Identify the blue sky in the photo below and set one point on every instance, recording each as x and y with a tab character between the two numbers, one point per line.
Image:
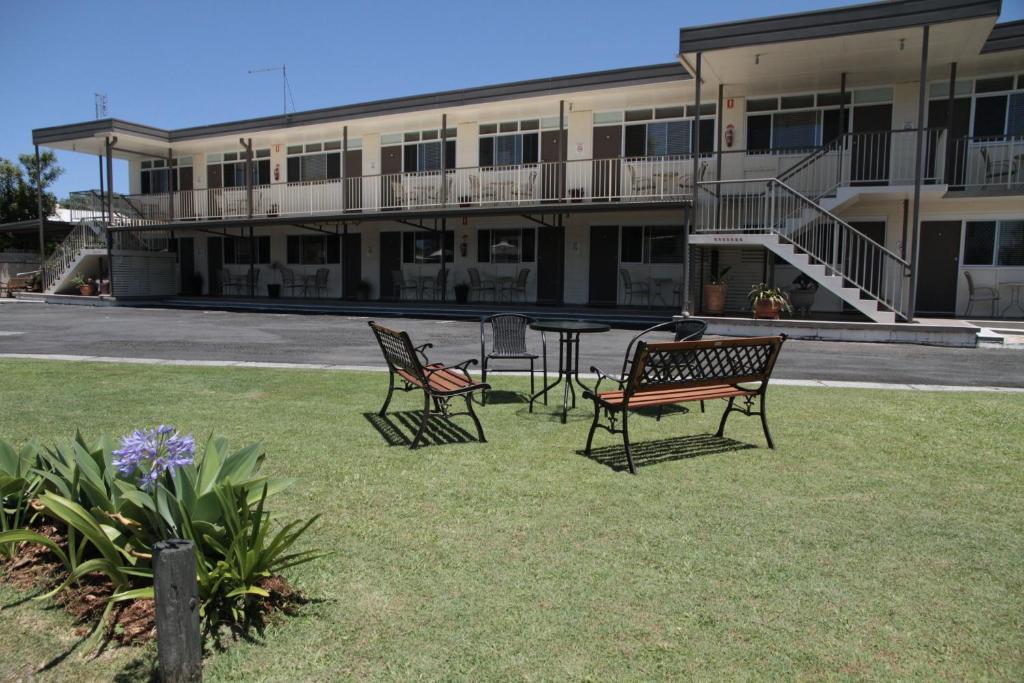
175	64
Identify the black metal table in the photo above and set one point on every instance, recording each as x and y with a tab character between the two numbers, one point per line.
569	332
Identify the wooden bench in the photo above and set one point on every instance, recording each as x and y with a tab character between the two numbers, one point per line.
669	373
22	282
439	383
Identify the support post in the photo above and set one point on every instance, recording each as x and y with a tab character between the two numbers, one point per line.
949	175
344	170
179	643
171	176
39	210
842	127
103	201
109	153
444	167
684	293
444	261
247	144
718	155
915	225
562	150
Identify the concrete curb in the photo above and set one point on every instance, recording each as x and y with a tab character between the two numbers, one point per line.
828	384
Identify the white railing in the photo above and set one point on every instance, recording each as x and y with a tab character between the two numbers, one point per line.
67	252
770	206
987	163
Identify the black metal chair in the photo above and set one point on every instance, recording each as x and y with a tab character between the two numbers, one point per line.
690	329
508	342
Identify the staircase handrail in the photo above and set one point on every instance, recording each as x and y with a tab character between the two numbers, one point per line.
64	255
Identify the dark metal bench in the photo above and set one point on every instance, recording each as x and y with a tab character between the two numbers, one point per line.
439	383
670	373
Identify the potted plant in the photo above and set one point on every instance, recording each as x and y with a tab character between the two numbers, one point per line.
461	293
714	292
84	285
802	296
363	290
768	302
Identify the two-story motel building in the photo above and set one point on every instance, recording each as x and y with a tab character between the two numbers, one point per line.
877	148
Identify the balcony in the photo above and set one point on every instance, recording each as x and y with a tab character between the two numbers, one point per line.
641	180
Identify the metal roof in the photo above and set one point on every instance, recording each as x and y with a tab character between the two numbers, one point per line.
830	23
631	76
1005	36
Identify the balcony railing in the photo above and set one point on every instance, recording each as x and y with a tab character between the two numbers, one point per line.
633	179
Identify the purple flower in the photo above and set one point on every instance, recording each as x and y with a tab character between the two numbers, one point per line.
153	452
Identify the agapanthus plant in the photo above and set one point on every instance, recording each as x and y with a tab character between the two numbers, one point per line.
150	453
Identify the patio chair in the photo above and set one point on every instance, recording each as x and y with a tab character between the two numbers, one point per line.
631	289
318	282
980	295
690	329
508	342
1000	170
481	191
229	281
439	285
440	383
398	195
641	185
290	282
402	285
524	189
517	290
478	286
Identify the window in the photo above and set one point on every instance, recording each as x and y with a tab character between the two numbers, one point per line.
233	167
510	143
799	122
421	150
314	161
999	243
425	247
672	137
506	246
651	244
237	250
314	249
155	175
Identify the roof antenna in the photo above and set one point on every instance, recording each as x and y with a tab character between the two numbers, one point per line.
100	101
286	87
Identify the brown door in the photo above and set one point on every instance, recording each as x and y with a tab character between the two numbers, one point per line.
550	260
957	149
550	154
869	151
351	264
390	263
353	189
607	150
214	181
390	167
186	200
214	264
939	267
604	261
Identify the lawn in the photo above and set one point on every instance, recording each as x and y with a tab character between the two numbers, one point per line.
882	539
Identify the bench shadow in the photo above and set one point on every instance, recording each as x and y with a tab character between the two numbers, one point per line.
398	428
646	453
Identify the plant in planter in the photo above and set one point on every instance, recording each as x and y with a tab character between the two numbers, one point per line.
802	295
768	302
363	290
714	292
85	285
461	293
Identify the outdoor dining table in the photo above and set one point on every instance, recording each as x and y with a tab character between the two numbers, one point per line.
569	332
1015	290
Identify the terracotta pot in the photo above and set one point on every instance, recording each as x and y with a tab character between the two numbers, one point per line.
714	299
86	290
768	310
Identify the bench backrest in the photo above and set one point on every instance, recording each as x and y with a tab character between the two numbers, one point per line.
398	351
672	365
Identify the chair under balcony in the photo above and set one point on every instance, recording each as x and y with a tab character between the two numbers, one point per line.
479	286
980	295
517	292
317	283
289	282
1001	171
631	289
402	286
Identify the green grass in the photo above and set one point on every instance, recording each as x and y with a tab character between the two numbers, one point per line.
882	539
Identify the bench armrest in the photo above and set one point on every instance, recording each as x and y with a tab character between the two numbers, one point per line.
602	375
421	350
458	367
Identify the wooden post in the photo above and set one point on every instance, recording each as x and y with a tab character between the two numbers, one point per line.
179	643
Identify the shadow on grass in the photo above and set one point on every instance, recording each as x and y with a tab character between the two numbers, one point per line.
502	397
399	428
646	453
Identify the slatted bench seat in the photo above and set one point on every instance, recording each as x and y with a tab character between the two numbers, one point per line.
669	373
439	383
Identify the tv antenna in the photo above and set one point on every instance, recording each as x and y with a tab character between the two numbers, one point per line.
286	88
100	101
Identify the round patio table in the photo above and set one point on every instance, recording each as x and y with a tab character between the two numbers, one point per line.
1015	290
569	332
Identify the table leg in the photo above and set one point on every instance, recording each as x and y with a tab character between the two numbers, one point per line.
568	341
561	371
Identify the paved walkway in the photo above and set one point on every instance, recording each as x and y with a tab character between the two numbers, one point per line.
288	340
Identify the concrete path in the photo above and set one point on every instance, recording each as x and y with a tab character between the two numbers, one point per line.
267	340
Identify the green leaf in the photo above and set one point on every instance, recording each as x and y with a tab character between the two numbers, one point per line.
26	536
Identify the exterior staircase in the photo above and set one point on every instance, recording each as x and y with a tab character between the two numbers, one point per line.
800	230
86	239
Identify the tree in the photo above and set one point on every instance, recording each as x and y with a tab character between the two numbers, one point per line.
18	201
